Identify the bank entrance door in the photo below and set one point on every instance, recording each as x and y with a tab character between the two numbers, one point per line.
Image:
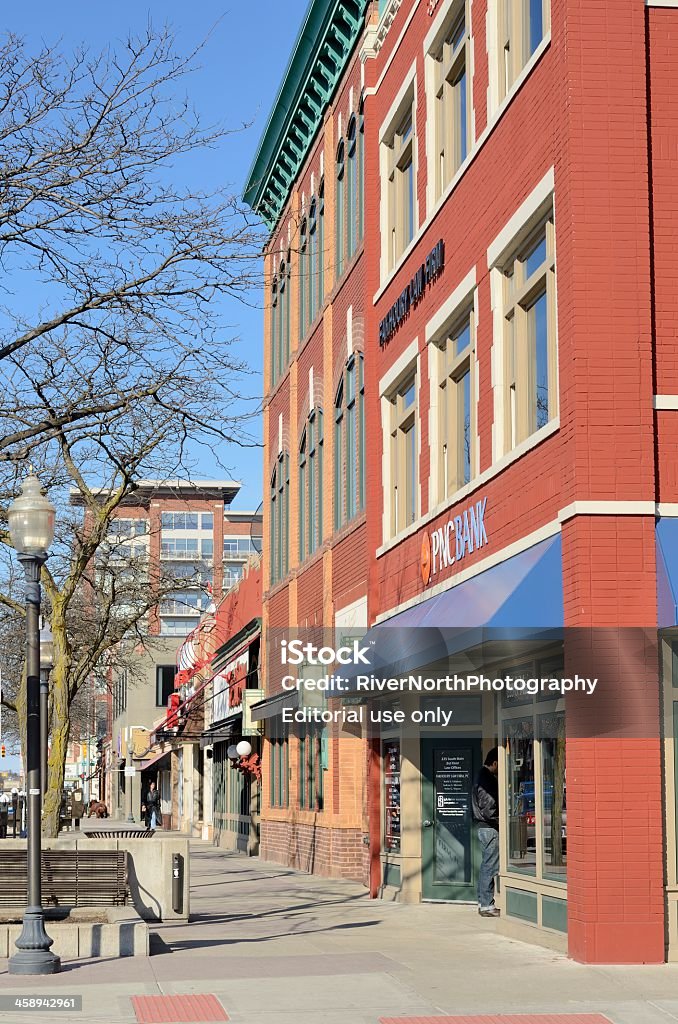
450	855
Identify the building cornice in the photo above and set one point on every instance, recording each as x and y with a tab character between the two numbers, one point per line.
324	45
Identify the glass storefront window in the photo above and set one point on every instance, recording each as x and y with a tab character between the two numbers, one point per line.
554	827
520	794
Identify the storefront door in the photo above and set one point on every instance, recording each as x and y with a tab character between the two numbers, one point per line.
450	857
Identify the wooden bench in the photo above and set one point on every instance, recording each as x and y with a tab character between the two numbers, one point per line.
70	878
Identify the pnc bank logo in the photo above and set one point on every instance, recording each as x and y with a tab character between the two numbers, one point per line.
452	542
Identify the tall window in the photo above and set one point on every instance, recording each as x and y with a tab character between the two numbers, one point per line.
339	225
313	260
452	100
164	684
311	485
401	189
283	319
361	170
321	243
522	26
530	349
349	445
351	189
279	546
303	280
275	331
456	407
279	771
404	462
311	769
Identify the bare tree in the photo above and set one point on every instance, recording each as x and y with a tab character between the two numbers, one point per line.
115	357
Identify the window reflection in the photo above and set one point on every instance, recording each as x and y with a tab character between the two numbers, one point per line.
520	796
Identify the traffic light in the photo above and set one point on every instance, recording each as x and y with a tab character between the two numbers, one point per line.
3	750
84	751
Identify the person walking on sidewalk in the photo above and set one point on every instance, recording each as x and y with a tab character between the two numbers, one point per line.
485	800
151	807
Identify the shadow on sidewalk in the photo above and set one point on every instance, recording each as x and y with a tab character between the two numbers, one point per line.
158	945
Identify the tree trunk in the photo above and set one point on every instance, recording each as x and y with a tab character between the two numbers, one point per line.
59	735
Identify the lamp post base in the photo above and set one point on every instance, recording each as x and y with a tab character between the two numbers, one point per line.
33	955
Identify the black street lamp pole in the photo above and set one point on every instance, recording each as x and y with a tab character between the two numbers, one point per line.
33	955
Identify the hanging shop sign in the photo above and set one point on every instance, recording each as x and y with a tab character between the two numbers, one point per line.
453	541
413	292
228	687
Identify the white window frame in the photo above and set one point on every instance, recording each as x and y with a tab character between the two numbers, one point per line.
391	156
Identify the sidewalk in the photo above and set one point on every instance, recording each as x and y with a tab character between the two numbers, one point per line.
280	947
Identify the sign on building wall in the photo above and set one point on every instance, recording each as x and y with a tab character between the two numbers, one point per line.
228	688
413	292
453	541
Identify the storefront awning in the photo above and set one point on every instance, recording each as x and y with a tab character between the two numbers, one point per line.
519	601
274	706
153	761
221	733
523	591
667	572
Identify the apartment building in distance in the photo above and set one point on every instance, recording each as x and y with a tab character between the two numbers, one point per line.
307	184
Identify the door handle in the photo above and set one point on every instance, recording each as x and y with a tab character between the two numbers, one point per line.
426	823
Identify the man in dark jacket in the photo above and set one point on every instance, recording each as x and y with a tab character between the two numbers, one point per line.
151	807
486	817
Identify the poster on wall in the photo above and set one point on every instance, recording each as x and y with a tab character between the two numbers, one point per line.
392	796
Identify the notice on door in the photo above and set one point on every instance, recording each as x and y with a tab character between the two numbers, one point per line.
453	780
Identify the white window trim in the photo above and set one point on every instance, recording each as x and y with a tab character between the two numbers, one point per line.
390	122
408	362
528	214
386	279
439	322
431	42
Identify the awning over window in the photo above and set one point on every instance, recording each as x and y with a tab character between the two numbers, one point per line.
519	601
273	706
667	572
154	761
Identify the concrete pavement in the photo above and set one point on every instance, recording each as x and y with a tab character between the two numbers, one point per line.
277	946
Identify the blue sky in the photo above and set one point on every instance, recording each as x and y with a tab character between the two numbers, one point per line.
241	66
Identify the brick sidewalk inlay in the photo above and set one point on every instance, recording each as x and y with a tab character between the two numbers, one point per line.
174	1009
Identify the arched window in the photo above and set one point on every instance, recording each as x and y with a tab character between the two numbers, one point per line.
339	220
280	360
303	279
274	330
311	485
361	169
303	487
312	260
351	189
288	304
279	531
321	243
349	452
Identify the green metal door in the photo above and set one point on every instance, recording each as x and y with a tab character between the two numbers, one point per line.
450	855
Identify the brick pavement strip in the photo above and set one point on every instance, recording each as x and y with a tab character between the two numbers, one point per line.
186	1009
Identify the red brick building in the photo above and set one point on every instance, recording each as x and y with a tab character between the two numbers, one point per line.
521	370
510	311
307	184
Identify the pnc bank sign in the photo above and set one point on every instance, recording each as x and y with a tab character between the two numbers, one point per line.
453	541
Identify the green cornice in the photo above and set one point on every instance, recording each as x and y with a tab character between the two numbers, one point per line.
328	35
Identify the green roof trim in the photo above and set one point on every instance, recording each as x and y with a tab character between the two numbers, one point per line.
325	42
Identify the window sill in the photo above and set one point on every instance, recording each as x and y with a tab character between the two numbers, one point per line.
483	478
461	172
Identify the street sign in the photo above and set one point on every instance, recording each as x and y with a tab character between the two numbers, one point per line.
131	771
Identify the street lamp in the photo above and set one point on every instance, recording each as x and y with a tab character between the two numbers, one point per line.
31	528
46	665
